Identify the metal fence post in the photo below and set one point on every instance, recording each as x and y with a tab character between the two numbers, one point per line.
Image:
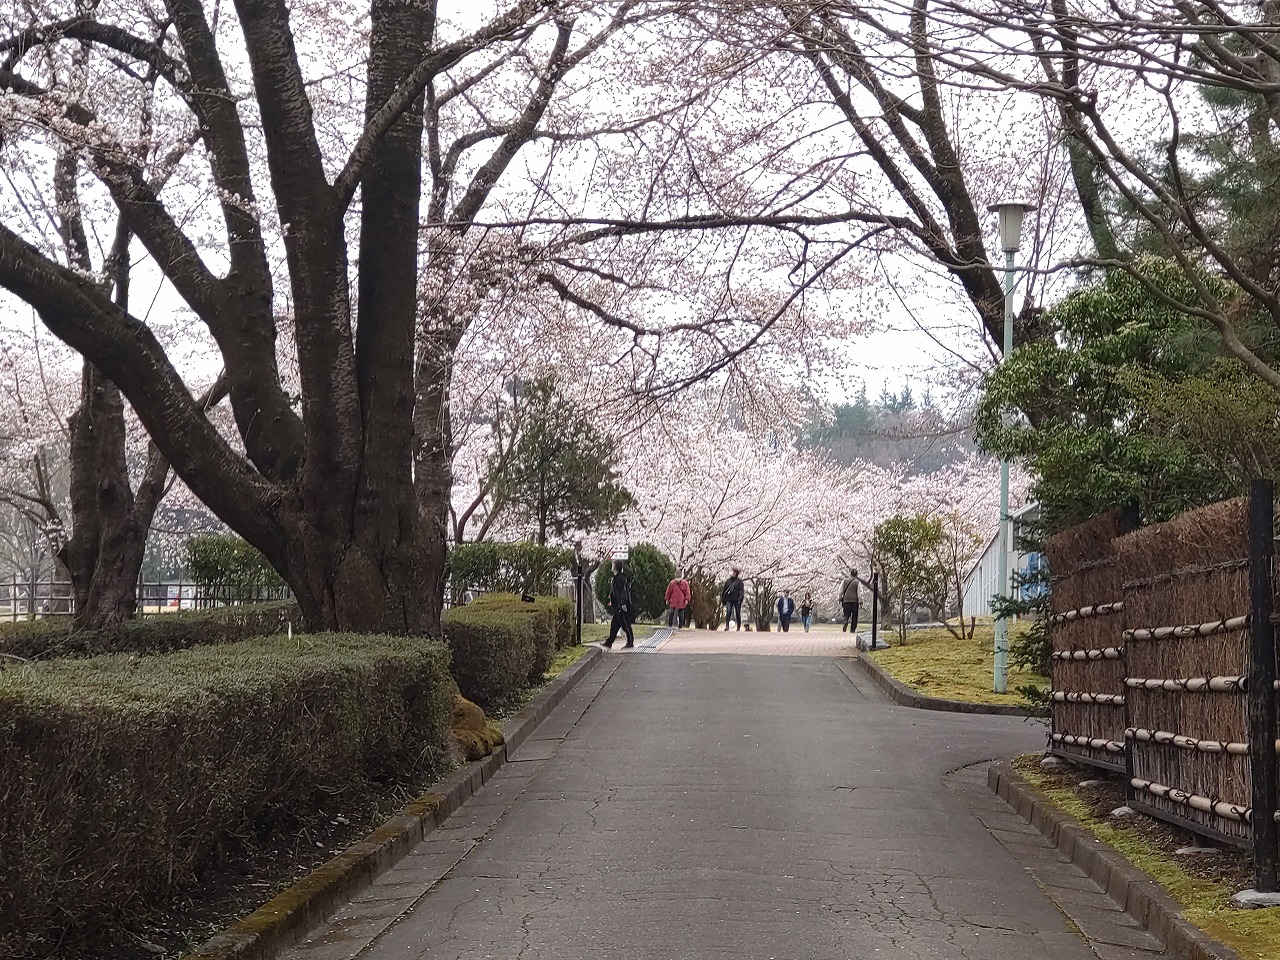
1262	694
875	605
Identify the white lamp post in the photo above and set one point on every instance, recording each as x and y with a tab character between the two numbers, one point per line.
1010	215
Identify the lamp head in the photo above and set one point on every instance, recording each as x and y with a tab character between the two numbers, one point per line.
1010	215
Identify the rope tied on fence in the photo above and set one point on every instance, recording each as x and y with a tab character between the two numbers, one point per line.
1105	699
1218	808
1093	743
1102	653
1212	628
1190	684
1187	743
1082	613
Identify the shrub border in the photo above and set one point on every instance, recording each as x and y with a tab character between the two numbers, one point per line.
1132	889
286	919
900	693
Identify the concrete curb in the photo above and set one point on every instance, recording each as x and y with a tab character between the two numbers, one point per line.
1136	893
900	693
286	919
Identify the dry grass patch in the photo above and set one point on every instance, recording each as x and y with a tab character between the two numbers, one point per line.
936	664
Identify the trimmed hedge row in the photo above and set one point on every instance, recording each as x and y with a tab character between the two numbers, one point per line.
161	633
502	645
492	653
123	775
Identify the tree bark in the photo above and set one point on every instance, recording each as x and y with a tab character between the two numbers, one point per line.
103	555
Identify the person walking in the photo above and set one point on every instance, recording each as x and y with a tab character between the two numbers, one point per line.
731	596
849	600
786	607
677	598
806	611
687	592
620	604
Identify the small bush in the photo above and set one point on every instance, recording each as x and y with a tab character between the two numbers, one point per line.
549	624
523	567
494	653
225	562
161	633
704	604
760	603
650	571
126	776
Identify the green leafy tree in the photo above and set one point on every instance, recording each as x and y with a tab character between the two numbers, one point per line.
650	570
560	474
229	568
907	551
522	567
1131	403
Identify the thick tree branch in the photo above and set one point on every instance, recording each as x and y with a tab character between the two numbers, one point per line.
502	27
82	316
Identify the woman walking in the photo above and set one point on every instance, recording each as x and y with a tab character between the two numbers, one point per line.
677	597
806	611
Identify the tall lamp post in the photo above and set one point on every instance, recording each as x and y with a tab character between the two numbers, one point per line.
1010	216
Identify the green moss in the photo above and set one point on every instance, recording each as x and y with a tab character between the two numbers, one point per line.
1254	934
936	664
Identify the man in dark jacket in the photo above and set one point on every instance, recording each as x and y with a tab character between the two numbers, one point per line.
731	596
620	604
849	600
786	607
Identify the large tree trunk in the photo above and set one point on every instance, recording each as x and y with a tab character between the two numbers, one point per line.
433	452
109	524
346	492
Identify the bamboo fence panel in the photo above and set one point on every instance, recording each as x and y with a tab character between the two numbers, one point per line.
1191	571
1085	630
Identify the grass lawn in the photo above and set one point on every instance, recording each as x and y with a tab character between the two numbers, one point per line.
565	659
1205	900
936	664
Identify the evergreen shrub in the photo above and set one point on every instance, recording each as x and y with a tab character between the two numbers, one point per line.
126	777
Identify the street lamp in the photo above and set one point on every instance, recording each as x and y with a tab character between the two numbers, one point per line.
1010	216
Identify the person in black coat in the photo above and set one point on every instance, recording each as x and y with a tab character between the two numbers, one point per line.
731	596
620	604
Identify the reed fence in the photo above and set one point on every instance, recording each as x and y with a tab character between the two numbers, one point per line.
1165	663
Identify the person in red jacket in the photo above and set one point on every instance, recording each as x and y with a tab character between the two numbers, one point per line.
677	598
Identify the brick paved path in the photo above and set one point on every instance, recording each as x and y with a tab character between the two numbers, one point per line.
821	641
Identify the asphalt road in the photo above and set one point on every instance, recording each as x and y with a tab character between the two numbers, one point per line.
721	806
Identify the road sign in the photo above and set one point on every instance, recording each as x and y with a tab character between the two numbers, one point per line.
622	552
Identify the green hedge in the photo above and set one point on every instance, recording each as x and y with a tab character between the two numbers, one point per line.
494	653
523	567
160	633
124	775
650	571
552	624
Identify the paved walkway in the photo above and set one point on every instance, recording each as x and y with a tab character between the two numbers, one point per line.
744	807
822	641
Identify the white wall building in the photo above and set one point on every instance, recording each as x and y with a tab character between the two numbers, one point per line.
982	581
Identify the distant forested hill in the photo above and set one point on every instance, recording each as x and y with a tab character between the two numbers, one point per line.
894	428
